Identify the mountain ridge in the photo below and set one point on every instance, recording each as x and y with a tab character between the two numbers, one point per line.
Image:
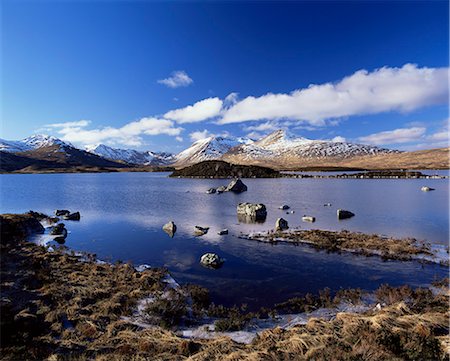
279	150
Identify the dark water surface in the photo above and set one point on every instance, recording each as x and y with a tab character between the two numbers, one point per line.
122	216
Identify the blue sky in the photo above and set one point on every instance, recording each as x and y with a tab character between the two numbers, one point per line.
116	72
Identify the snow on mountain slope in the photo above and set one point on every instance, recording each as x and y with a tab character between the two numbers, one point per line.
131	156
210	148
31	143
281	144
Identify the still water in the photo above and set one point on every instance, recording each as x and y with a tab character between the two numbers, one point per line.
122	216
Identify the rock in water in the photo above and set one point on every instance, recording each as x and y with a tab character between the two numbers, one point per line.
72	216
211	191
426	189
343	214
253	211
170	228
59	230
221	189
222	232
284	207
211	260
281	224
236	186
62	212
308	219
200	231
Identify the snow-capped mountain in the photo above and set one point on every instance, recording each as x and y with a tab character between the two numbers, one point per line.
283	147
31	143
210	148
131	156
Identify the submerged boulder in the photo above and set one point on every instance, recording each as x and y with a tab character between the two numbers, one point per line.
72	216
254	211
236	186
170	228
211	260
343	214
281	224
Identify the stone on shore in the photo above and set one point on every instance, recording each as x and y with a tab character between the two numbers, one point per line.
281	224
170	228
343	214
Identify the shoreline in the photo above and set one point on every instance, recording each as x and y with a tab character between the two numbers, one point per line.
63	310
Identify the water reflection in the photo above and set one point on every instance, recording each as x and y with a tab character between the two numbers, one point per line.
123	214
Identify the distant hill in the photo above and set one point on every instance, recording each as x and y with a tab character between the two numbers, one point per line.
39	153
221	169
132	156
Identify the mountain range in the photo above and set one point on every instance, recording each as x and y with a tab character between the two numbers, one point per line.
279	150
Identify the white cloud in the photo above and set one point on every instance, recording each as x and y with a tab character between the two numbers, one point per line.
199	135
339	139
396	136
179	139
130	134
79	123
202	110
177	79
386	89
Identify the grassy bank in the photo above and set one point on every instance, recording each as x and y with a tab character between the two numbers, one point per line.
360	243
64	306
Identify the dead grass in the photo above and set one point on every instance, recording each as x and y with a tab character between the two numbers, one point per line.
56	307
360	243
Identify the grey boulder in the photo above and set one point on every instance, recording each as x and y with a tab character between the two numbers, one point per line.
72	216
211	260
236	186
281	224
200	231
343	214
256	211
170	228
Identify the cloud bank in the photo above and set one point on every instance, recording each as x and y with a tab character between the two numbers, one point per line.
386	89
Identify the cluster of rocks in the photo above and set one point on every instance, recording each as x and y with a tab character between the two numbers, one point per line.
209	260
235	186
67	215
